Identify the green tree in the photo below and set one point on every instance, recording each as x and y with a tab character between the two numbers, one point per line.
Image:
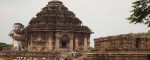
4	45
140	12
8	59
91	49
148	32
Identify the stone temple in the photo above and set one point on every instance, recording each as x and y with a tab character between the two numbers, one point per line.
53	33
57	28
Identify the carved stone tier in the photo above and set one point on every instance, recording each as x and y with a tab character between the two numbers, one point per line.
55	28
56	17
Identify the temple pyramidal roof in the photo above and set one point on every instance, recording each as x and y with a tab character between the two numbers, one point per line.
56	17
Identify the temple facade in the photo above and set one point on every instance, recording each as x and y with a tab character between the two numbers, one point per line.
56	28
123	47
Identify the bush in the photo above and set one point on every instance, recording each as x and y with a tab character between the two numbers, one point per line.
8	59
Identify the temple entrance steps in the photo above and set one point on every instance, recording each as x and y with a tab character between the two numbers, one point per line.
64	53
64	50
84	55
68	54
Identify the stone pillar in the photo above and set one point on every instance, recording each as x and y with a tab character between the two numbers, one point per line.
76	43
57	42
85	44
88	41
71	42
30	45
50	42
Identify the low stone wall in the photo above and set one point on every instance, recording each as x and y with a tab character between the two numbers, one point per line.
29	55
118	56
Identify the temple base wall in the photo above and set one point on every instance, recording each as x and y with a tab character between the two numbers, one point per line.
118	57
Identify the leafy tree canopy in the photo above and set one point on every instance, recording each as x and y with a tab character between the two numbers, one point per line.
91	49
8	59
4	45
148	32
140	12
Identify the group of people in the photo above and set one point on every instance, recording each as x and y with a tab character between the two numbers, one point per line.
24	58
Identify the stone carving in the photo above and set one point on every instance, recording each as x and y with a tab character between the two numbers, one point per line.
18	36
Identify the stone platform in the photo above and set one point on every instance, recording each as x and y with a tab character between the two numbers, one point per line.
29	55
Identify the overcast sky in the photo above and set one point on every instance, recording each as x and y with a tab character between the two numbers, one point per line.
104	17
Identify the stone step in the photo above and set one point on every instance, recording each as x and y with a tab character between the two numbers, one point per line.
81	57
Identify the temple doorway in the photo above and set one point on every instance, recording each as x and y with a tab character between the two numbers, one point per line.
64	41
64	44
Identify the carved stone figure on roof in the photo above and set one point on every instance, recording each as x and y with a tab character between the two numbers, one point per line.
18	36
